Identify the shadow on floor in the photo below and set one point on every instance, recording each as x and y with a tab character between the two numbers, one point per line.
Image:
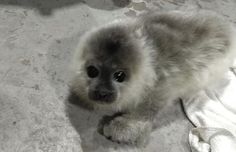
46	7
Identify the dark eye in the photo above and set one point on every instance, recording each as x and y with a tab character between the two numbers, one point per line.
92	71
119	76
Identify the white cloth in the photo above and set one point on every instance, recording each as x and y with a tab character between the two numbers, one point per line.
213	112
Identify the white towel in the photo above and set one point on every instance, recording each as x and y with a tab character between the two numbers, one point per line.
213	112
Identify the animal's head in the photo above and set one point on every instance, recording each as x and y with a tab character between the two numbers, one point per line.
113	66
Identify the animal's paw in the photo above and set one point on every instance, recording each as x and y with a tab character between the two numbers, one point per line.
122	129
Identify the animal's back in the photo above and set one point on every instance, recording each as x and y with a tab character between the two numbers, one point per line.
194	49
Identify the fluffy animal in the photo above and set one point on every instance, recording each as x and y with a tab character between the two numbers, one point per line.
136	66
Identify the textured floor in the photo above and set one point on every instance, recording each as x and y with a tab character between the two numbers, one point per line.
37	40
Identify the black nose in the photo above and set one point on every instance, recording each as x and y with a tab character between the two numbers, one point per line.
101	95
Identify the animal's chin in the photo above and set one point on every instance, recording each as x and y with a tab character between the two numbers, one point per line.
103	102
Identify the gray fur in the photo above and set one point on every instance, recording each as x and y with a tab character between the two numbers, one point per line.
166	55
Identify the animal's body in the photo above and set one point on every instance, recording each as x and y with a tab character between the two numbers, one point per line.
136	66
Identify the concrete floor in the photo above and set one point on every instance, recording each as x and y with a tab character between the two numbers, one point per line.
37	39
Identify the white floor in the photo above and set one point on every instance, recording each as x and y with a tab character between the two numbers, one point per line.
37	40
